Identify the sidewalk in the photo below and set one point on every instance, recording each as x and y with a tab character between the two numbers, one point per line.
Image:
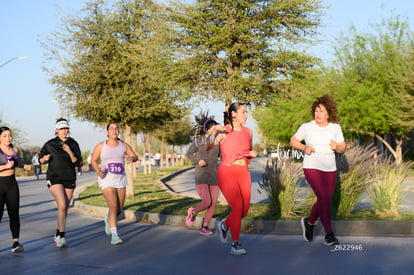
183	184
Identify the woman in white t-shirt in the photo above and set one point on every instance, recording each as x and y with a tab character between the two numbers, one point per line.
323	137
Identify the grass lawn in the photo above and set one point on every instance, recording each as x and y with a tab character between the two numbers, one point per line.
151	196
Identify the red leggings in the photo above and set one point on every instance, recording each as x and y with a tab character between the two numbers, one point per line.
323	185
235	184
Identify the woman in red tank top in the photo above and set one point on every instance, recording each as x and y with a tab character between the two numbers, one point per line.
233	175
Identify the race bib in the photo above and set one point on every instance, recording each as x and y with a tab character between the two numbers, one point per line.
11	157
115	168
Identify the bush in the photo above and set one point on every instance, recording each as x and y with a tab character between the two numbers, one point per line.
386	192
281	183
353	177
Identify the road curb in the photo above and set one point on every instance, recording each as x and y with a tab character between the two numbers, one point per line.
283	227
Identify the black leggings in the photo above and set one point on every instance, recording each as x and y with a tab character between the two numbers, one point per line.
9	196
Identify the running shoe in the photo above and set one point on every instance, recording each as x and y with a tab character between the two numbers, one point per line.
61	242
115	239
107	226
307	229
17	247
205	231
221	231
189	220
330	239
236	249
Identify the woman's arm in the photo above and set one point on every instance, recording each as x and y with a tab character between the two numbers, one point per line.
297	144
192	152
94	160
338	147
131	155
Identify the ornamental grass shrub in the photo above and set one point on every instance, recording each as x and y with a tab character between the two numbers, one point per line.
354	171
280	181
386	192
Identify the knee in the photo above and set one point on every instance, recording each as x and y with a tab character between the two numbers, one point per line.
62	207
207	201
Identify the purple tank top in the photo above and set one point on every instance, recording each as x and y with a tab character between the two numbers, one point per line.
112	155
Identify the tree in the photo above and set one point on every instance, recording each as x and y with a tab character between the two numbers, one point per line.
176	133
375	77
278	120
239	50
18	134
116	66
372	82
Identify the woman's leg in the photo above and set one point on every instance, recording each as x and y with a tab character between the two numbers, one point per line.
111	198
213	194
235	183
62	202
323	185
12	201
121	193
204	193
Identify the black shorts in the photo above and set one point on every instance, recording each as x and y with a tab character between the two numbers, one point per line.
67	184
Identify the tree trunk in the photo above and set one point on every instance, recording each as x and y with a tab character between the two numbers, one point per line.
167	156
134	148
149	152
129	166
397	152
143	142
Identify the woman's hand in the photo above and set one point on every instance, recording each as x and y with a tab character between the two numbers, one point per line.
253	153
9	165
46	158
202	163
309	150
220	138
101	174
67	149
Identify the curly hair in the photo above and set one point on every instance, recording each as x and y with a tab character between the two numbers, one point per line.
329	103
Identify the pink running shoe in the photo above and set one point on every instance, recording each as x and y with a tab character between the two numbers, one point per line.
189	220
205	231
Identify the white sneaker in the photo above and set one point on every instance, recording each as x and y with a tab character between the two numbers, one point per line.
60	242
221	231
17	247
236	249
115	239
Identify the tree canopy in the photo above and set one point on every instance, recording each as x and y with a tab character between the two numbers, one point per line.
117	65
371	80
239	50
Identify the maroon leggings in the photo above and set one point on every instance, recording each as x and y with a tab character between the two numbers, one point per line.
235	184
323	185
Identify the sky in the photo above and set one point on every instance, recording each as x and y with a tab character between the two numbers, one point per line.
26	97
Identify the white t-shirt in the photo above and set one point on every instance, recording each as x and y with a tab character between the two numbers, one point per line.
319	138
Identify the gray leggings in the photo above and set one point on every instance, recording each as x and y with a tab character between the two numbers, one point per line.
9	196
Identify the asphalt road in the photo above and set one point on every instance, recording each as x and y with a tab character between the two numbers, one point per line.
163	249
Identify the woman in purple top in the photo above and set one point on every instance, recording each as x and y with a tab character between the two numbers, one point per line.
205	171
9	190
111	176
